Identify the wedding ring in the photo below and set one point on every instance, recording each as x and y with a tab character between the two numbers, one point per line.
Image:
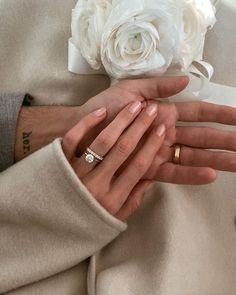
177	152
91	156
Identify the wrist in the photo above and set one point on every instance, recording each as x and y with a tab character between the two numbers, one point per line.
38	126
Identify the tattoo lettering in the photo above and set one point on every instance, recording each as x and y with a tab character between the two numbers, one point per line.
26	142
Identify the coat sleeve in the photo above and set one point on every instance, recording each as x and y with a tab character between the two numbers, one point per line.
10	105
49	222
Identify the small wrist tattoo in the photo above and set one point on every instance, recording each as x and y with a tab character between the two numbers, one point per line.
26	137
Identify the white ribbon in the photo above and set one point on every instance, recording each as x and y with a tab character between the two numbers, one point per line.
199	87
77	64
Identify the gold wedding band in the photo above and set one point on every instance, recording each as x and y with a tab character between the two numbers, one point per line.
177	152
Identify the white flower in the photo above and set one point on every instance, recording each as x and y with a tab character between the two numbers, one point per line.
142	37
198	17
88	20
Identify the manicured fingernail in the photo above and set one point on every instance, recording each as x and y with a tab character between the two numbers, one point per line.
135	107
100	112
151	109
161	130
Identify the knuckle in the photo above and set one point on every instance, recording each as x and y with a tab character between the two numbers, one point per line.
131	96
110	207
124	146
200	111
204	141
128	89
141	165
232	164
69	139
105	140
188	156
126	85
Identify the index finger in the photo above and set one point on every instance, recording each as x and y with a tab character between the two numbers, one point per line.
205	112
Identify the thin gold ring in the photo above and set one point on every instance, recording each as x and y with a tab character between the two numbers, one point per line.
177	152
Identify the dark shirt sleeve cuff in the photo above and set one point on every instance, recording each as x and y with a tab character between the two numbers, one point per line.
10	105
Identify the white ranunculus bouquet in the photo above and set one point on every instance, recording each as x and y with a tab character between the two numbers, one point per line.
140	38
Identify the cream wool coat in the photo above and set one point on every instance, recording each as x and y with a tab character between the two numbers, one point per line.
54	237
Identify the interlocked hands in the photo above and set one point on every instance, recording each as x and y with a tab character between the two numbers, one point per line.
137	142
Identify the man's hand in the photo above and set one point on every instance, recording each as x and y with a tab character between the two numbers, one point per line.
126	91
197	163
40	125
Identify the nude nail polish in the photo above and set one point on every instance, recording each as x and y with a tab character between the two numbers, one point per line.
100	112
135	107
151	110
161	130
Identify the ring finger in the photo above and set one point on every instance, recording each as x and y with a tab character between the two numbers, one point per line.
195	157
108	137
218	160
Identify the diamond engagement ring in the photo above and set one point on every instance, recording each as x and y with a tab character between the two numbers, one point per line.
91	156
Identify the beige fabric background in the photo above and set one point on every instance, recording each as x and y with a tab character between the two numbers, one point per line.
183	240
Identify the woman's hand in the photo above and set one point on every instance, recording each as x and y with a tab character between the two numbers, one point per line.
119	195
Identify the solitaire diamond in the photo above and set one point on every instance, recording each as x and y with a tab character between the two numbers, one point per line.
89	158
